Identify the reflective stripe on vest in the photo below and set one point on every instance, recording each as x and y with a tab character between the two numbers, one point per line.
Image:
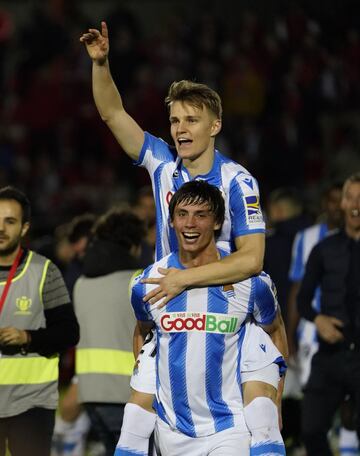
104	361
29	371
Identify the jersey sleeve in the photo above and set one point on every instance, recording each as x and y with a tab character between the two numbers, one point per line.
297	269
265	300
246	214
154	153
137	292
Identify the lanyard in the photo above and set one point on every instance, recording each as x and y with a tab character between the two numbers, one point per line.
9	278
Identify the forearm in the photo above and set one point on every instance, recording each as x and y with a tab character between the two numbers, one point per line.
61	332
233	268
106	95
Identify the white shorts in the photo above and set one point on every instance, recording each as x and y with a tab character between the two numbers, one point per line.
258	352
143	378
230	442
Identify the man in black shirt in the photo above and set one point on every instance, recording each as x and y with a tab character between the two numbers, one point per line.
334	264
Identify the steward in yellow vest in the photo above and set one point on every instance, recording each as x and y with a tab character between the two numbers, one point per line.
36	323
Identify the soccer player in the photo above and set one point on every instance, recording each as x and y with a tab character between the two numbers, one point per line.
195	118
200	338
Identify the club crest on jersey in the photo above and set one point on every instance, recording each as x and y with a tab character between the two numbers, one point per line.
252	209
196	321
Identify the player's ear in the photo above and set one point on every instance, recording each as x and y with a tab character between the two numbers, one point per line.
216	127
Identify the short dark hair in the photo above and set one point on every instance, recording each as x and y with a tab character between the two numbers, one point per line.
196	94
200	192
13	193
80	226
121	227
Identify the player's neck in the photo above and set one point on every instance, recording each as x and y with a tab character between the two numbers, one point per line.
201	165
196	259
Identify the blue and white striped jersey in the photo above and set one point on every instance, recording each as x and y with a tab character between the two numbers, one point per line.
304	242
243	212
200	336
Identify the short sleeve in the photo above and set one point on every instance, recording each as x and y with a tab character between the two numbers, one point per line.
245	209
265	300
54	292
137	292
154	153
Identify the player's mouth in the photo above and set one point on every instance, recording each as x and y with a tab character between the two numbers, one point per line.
190	237
183	142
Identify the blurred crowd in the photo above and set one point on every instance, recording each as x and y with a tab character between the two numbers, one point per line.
289	83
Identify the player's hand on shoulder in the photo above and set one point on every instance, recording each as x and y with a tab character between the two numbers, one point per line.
169	286
97	43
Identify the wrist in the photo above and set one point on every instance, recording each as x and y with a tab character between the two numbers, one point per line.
24	350
101	62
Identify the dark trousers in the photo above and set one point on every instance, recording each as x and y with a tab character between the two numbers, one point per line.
333	376
106	421
28	434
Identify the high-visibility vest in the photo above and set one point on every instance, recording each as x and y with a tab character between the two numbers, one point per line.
26	381
104	356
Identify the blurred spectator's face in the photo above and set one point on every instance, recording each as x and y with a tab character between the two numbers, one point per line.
193	130
333	207
350	204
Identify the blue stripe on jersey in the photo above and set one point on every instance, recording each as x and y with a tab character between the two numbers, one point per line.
159	218
215	349
251	297
141	309
297	264
348	450
125	451
323	231
268	448
240	342
177	358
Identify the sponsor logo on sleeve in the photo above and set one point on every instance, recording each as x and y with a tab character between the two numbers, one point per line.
252	209
196	321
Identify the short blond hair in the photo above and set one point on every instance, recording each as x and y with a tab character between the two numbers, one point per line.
196	94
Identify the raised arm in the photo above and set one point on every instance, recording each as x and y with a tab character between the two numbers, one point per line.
107	98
